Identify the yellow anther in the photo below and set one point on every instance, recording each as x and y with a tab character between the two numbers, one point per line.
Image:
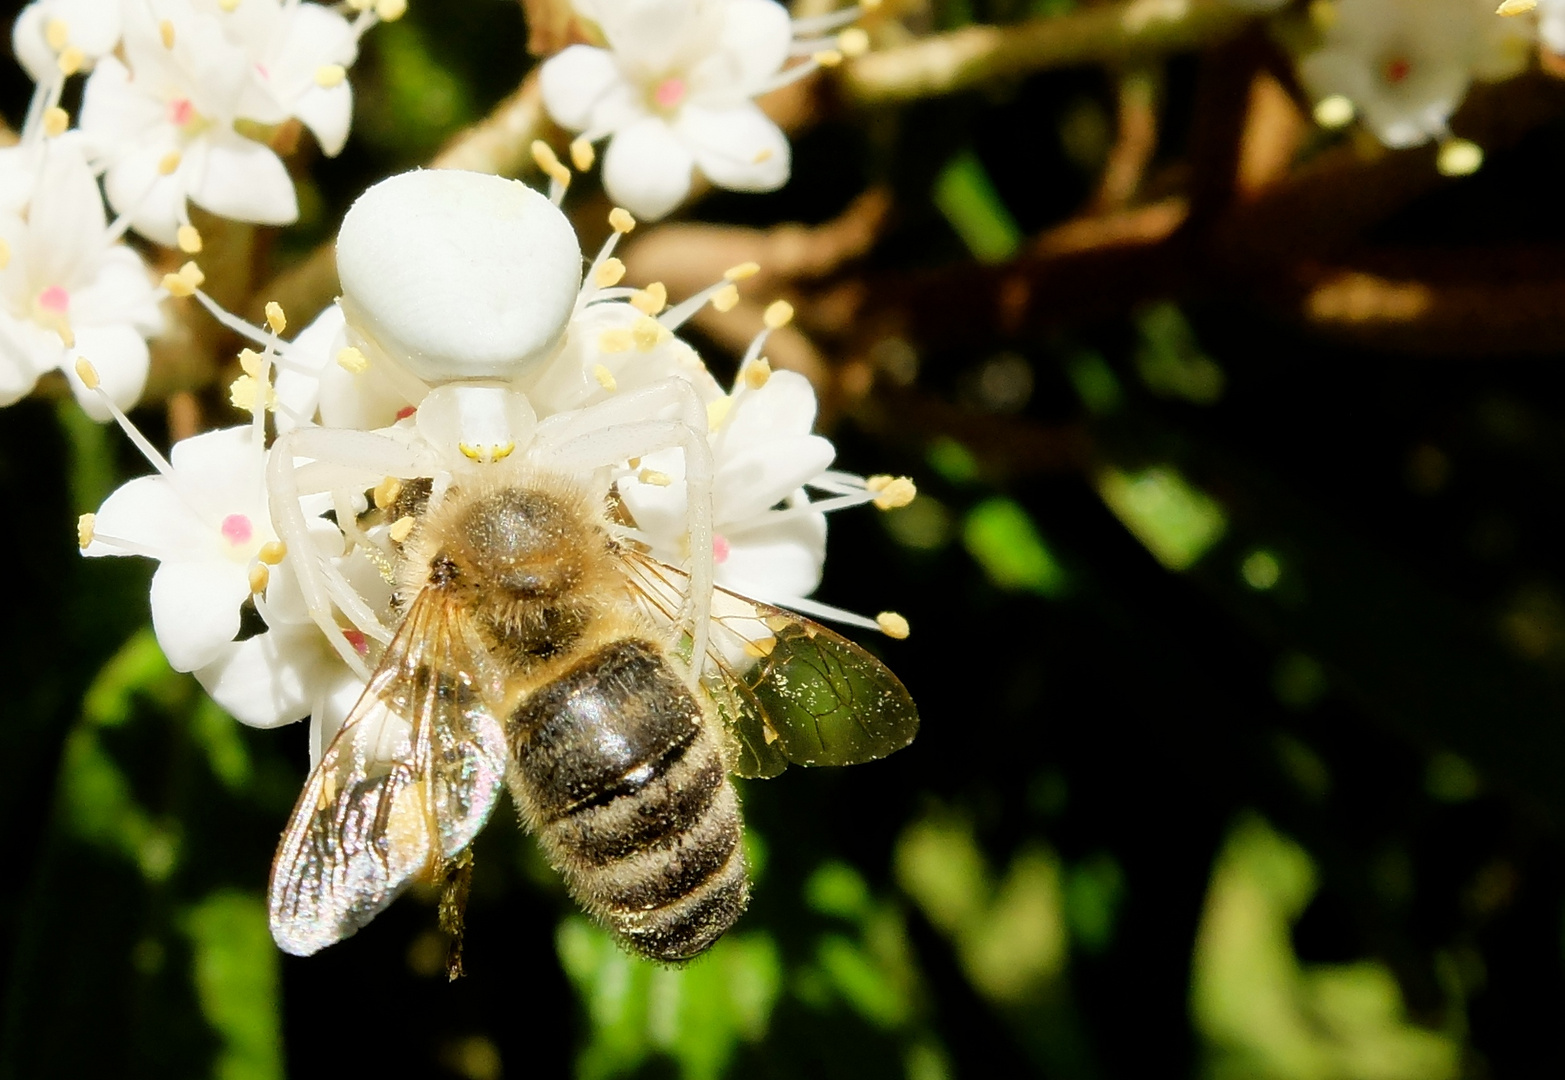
726	298
189	239
166	33
869	5
228	5
853	42
1516	7
582	155
549	162
892	491
634	463
757	373
717	412
352	361
651	300
272	552
5	254
386	492
778	315
86	373
84	528
615	341
328	76
1459	157
56	32
742	271
251	363
170	163
605	378
760	650
71	60
391	10
648	333
620	220
242	393
400	528
185	282
655	478
55	121
827	58
892	625
259	576
275	317
361	5
1323	14
608	273
1334	112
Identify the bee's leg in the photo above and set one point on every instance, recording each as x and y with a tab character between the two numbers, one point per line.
339	459
663	415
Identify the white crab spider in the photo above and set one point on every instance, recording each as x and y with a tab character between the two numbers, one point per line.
466	282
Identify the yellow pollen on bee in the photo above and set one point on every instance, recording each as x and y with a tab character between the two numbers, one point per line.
717	412
251	363
86	373
620	220
582	155
1516	7
549	162
329	76
84	529
352	361
892	625
166	33
189	239
757	373
71	60
827	58
608	275
615	341
778	315
648	333
391	10
272	552
726	298
760	649
275	317
170	163
742	271
853	42
243	390
55	121
655	478
651	300
893	491
400	528
605	378
57	33
634	463
386	491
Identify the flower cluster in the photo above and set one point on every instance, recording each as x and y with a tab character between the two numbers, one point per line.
489	351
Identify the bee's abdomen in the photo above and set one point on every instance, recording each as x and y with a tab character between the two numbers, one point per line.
617	768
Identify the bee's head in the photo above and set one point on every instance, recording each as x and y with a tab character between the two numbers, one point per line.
529	545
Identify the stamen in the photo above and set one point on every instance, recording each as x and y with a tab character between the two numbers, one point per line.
559	175
1334	112
189	239
827	58
166	33
244	392
259	577
272	552
608	273
615	341
185	282
55	121
717	411
817	610
84	527
582	155
726	298
1459	157
403	526
742	271
651	300
757	373
228	5
5	254
853	42
170	163
390	10
648	334
893	492
892	625
275	319
89	377
71	60
1516	7
352	361
250	363
654	478
605	378
620	220
386	491
778	315
329	76
57	33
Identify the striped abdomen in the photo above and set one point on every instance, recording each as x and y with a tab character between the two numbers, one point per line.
619	773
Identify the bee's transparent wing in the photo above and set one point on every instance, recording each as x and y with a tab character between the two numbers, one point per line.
788	689
405	786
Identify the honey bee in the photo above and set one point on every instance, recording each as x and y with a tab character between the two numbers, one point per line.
539	652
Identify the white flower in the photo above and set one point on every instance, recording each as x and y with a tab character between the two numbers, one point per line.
673	90
67	291
165	125
316	380
47	28
1551	24
206	522
765	455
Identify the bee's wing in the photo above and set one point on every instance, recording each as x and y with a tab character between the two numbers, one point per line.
405	785
788	689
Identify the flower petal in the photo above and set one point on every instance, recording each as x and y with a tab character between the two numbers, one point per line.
328	113
195	609
119	353
148	511
646	169
776	563
737	147
268	680
574	81
756	38
245	181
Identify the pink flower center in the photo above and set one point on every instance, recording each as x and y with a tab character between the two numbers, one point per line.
1397	69
406	411
357	640
261	70
720	549
181	112
669	93
237	529
54	299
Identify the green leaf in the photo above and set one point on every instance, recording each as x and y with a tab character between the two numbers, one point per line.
237	982
1176	522
966	196
1002	538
